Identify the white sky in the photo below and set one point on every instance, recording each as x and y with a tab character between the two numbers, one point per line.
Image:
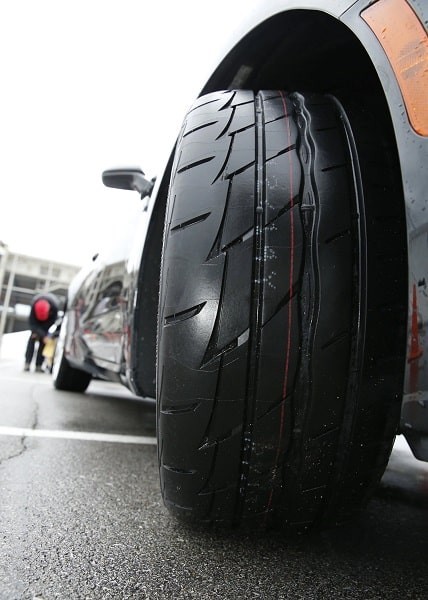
87	85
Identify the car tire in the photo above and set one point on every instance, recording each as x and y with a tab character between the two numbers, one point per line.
65	377
282	317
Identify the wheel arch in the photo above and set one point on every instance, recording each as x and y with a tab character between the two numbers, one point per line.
303	49
142	368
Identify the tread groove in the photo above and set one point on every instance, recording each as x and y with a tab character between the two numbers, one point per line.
337	338
240	170
211	347
272	408
207	443
333	168
190	222
183	315
176	410
216	247
283	303
228	124
226	160
280	118
293	203
239	240
229	101
241	339
199	128
318	437
177	470
282	152
338	236
197	163
202	105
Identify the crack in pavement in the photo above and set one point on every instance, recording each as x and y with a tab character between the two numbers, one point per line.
24	447
34	425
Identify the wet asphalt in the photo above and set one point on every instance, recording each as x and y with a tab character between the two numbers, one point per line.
84	518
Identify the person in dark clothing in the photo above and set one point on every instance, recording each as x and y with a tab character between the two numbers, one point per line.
43	314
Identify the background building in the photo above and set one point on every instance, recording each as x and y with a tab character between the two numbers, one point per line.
21	277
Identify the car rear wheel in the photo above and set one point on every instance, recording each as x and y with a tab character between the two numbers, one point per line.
65	377
282	313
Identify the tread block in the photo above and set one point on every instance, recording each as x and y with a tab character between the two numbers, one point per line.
181	384
241	154
239	217
284	177
193	200
234	311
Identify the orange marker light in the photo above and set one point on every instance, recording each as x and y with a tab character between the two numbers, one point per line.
405	41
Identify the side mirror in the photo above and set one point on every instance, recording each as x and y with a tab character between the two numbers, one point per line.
129	179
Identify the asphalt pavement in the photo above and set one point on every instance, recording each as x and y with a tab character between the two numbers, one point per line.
81	516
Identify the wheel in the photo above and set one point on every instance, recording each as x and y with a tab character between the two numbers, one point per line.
282	316
66	377
69	379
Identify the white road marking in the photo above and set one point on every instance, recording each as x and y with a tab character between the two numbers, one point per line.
42	378
78	435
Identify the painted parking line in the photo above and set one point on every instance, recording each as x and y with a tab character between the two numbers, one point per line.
78	435
42	378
